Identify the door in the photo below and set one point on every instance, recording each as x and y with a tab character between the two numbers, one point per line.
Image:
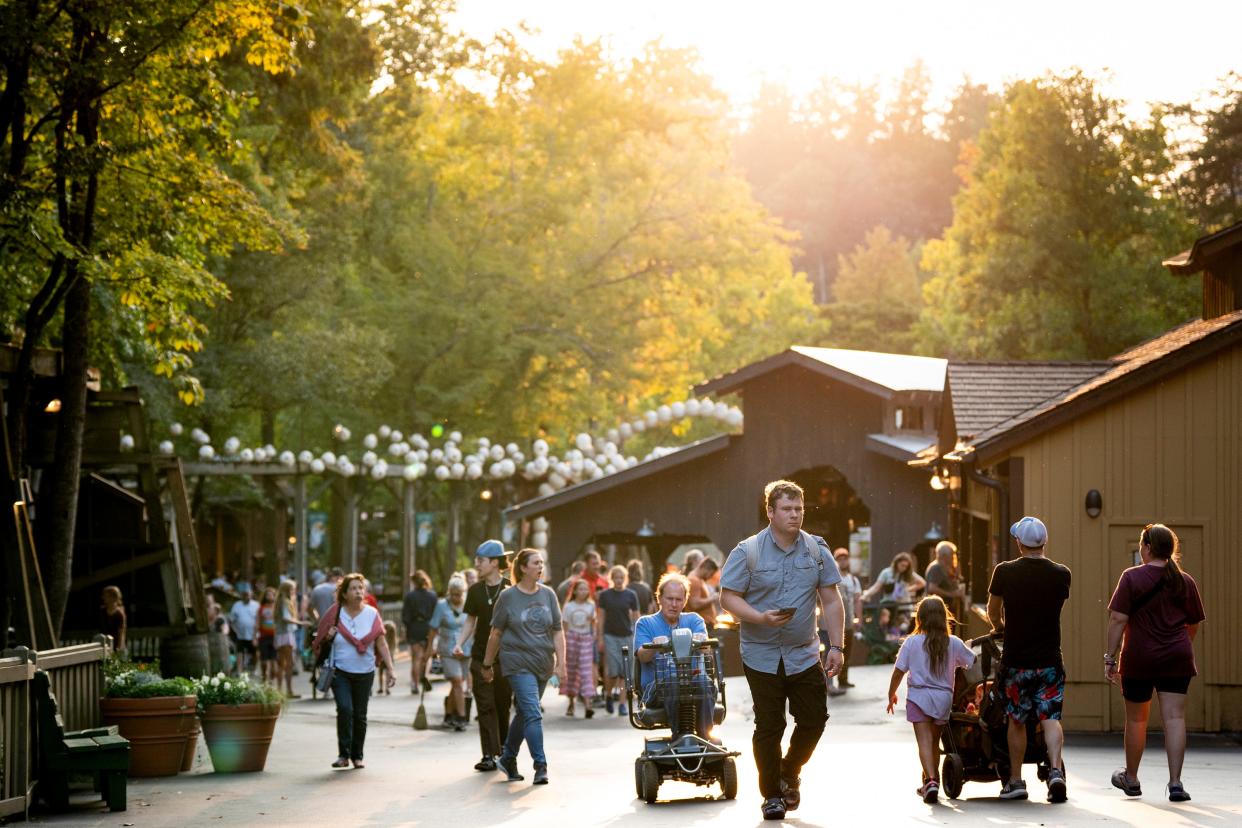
1123	553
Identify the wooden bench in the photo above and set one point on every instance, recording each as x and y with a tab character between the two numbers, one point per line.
99	752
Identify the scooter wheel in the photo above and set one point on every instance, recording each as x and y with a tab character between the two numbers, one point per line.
650	781
728	778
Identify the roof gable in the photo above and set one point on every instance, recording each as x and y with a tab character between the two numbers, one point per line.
877	373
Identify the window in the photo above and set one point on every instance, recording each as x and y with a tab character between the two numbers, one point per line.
909	418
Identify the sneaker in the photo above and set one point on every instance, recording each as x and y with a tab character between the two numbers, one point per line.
426	685
930	791
773	808
1177	793
790	793
508	766
487	763
1121	781
1056	785
589	713
1014	789
541	776
622	710
836	691
608	705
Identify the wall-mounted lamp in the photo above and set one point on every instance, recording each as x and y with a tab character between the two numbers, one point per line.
934	533
938	483
1094	503
647	530
52	407
486	494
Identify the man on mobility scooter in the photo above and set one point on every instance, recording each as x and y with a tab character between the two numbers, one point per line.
674	682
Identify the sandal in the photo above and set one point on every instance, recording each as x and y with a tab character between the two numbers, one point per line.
341	763
930	791
1177	793
1122	782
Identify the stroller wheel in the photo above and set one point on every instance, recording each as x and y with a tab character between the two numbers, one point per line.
952	775
638	777
650	781
728	778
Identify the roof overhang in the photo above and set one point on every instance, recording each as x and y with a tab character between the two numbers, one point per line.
903	448
1204	250
729	383
587	488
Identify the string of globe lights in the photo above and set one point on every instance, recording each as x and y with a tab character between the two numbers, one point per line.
389	453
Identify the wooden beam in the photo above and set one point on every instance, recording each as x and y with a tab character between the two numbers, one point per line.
109	573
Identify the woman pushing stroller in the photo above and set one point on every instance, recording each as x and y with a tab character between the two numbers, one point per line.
930	657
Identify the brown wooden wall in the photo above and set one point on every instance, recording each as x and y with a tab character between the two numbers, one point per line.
1170	453
795	420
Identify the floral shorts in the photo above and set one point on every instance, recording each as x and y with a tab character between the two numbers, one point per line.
1037	692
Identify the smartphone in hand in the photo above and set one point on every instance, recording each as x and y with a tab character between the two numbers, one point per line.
787	610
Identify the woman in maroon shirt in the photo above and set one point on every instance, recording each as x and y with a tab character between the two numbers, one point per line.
1158	608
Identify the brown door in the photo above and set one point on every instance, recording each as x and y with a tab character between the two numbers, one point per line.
1123	553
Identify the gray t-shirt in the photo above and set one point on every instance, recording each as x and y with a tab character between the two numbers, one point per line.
323	597
527	624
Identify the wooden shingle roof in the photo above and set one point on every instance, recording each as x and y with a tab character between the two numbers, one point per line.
987	393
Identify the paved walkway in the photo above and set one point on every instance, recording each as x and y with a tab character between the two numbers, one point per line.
864	772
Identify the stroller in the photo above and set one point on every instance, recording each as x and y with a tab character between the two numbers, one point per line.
691	669
974	743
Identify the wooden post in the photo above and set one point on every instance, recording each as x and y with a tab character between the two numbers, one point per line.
409	533
299	530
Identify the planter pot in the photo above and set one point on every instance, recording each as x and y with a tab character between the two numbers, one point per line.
238	736
157	730
191	745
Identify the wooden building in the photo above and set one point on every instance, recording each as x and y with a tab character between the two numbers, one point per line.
843	424
1152	435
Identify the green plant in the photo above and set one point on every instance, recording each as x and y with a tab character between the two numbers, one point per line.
234	690
145	684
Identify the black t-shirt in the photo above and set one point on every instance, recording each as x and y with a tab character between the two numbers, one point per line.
1034	590
480	600
616	604
644	596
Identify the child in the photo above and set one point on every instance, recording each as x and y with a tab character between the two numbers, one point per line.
930	656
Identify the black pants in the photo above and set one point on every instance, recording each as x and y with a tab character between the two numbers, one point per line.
807	694
493	701
352	692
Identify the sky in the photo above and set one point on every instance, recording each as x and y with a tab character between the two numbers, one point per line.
1148	51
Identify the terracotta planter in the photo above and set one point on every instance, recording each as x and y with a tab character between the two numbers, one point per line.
238	736
157	730
191	745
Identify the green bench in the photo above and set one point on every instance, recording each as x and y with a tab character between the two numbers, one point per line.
99	752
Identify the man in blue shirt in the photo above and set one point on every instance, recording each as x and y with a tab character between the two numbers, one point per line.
770	583
658	627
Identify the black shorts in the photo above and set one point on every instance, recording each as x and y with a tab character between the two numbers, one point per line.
1139	690
267	648
244	646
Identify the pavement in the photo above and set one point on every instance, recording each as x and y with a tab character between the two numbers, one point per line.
864	772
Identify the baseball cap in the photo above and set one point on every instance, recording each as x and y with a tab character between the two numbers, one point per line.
1030	532
490	549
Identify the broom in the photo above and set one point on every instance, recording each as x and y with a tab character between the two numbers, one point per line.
420	718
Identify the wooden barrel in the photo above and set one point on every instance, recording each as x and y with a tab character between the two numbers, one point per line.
184	655
218	652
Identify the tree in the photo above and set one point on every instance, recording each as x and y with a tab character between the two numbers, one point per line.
110	121
878	295
1212	182
1057	235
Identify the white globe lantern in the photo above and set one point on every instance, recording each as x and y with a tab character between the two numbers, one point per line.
380	470
305	456
247	455
396	449
411	457
395	436
678	409
231	445
317	466
166	447
175	429
583	442
546	489
455	436
625	431
287	459
410	472
452	455
692	408
496	452
639	426
369	458
664	413
442	473
384	431
329	458
720	410
556	479
539	539
540	447
127	442
539	524
507	467
735	417
370	441
206	452
437	455
613	435
458	470
474	471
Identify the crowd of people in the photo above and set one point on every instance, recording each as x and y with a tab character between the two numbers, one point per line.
500	635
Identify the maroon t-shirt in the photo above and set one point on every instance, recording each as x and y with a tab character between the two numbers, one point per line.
1156	641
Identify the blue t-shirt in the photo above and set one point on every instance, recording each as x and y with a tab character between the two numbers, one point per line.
650	627
617	604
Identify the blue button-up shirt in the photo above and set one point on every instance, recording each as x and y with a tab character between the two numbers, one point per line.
781	578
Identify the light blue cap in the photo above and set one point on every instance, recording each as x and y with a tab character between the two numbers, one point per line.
1030	532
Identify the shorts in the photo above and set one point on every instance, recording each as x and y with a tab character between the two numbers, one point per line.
455	668
1035	692
267	648
244	646
614	661
1139	690
914	713
287	639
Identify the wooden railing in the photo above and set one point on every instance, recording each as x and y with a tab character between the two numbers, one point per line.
76	674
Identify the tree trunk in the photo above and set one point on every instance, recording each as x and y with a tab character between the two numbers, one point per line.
67	463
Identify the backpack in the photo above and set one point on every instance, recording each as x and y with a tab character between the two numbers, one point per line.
751	547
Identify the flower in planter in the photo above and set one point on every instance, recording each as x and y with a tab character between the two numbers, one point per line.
222	689
124	679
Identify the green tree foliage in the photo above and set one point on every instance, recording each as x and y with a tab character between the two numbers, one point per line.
568	246
1058	233
855	156
877	295
1212	182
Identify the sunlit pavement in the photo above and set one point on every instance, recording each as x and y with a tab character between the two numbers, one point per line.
864	773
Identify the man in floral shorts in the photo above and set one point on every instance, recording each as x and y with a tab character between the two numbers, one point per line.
1024	601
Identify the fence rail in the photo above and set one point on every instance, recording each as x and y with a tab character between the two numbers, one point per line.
76	675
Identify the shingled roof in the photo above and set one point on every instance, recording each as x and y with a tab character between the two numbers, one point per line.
987	393
1128	371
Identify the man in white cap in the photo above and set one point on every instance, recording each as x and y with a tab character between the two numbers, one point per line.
1024	601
